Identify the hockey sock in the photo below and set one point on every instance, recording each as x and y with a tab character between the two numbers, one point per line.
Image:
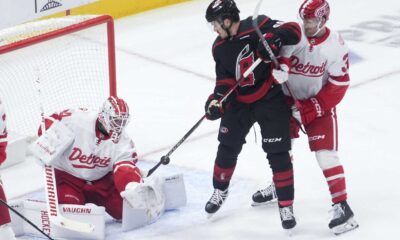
337	183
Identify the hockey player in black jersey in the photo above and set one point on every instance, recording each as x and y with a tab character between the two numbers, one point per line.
257	99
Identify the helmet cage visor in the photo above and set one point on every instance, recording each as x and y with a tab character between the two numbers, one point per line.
113	118
118	123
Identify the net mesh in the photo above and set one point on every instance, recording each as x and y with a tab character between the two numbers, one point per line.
71	71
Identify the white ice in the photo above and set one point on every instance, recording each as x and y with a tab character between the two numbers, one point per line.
165	71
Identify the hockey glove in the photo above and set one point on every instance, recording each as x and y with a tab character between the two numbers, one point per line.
274	42
52	143
214	110
309	111
281	75
148	196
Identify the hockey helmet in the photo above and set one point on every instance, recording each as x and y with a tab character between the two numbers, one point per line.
114	116
314	9
219	10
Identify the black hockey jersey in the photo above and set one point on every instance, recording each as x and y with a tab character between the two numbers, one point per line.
235	55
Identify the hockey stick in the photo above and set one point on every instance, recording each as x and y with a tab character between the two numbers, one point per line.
25	219
269	50
51	188
273	58
165	159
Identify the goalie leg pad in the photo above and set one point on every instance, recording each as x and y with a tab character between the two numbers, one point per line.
6	232
174	191
36	212
16	221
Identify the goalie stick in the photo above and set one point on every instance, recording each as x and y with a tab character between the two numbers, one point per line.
51	188
165	159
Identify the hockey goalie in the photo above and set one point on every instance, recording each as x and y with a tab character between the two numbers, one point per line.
94	162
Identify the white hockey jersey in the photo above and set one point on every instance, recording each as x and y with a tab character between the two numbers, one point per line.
318	67
91	155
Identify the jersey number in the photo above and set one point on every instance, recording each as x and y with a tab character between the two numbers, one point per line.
346	62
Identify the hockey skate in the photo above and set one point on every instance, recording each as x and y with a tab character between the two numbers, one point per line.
216	201
264	196
343	218
287	217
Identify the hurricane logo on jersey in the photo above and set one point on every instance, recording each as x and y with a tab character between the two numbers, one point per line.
244	60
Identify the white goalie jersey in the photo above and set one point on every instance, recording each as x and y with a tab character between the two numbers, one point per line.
90	155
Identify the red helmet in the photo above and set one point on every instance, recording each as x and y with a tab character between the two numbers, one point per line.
314	9
114	116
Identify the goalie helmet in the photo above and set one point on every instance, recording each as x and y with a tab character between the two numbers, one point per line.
218	10
114	116
314	9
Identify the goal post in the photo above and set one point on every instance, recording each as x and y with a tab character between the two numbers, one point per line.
72	56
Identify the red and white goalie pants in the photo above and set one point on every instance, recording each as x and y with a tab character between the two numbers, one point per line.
102	192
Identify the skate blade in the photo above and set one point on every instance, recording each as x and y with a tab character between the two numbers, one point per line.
256	204
210	215
351	224
289	232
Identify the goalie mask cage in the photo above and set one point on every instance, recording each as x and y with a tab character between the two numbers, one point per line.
72	57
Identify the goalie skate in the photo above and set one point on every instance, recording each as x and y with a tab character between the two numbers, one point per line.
264	196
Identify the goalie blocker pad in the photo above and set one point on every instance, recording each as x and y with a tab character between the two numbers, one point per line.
175	197
36	212
52	143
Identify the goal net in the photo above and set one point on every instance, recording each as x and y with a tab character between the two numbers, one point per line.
70	59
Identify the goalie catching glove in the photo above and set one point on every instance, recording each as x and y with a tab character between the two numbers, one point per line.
147	195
